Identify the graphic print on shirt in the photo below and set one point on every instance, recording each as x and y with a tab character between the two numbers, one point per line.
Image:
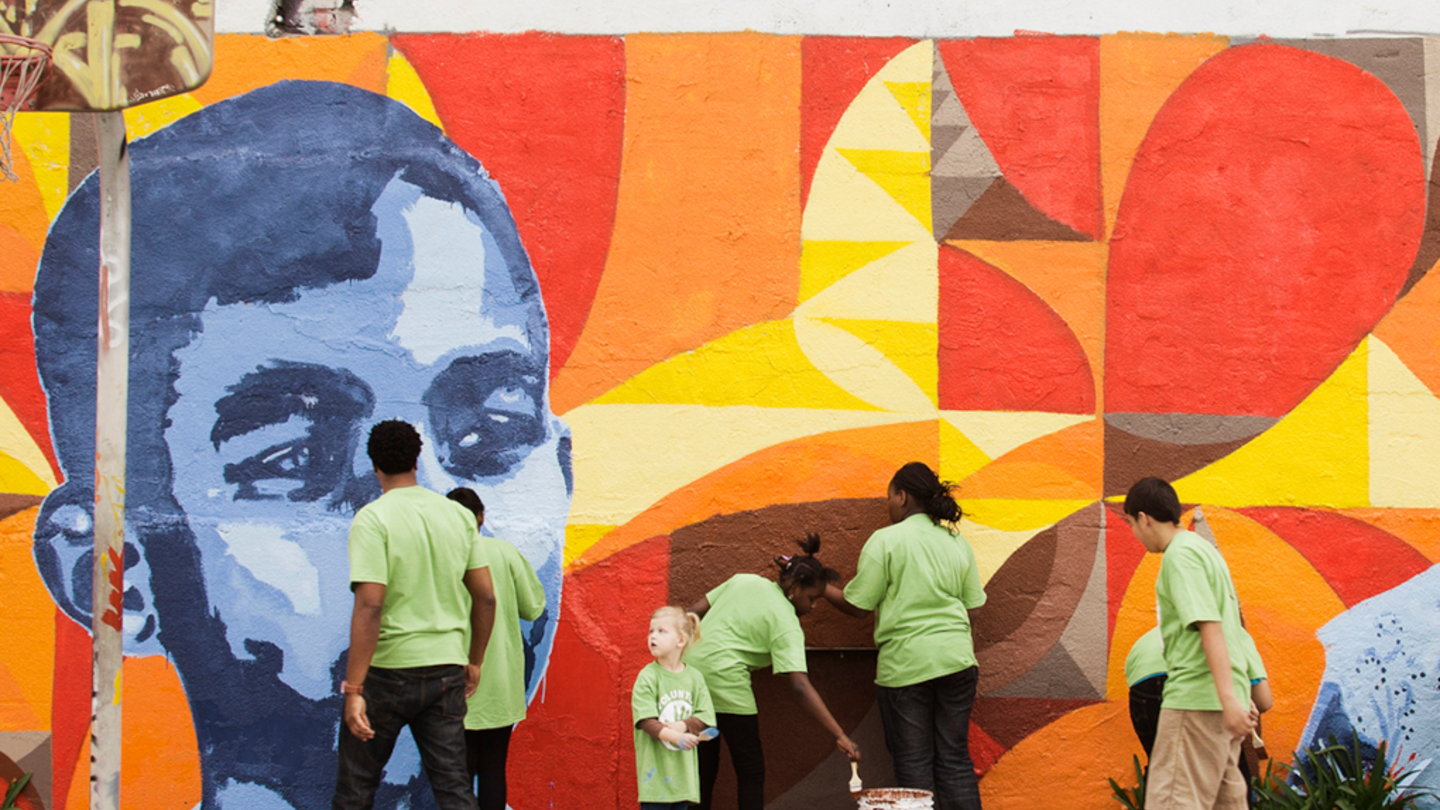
675	706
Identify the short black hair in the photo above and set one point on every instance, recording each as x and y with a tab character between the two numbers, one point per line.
394	446
936	497
1154	497
467	498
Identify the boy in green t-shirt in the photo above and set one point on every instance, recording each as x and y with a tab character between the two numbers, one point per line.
1206	710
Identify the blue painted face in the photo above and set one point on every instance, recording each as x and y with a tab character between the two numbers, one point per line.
275	400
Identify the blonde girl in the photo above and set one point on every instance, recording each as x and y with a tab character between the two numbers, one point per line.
671	706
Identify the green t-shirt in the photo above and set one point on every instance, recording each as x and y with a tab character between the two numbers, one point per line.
418	545
921	581
499	701
1146	659
1194	586
663	772
750	626
1254	667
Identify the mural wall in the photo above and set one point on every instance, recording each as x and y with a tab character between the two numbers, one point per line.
705	295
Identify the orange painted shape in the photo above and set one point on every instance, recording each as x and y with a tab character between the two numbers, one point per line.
1065	465
1069	276
846	464
18	259
28	668
23	225
160	760
707	225
245	62
1412	331
78	796
1138	72
1134	619
1420	528
1071	758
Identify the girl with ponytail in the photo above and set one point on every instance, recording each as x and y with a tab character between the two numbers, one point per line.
918	576
752	623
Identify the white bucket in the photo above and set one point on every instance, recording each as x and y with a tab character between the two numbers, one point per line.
895	799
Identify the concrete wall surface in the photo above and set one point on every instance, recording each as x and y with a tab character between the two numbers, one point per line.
670	301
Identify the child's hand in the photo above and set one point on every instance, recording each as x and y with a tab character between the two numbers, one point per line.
688	741
676	725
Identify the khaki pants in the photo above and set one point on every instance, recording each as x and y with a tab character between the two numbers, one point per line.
1195	764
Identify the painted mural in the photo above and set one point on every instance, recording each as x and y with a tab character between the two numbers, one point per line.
669	302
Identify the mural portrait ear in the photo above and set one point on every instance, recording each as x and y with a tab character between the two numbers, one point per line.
64	543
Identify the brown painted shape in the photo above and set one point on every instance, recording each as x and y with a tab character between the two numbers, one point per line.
1056	676
705	554
1010	720
1190	428
1429	251
1002	214
10	504
1032	598
1128	458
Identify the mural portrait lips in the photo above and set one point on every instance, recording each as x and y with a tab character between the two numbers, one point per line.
319	284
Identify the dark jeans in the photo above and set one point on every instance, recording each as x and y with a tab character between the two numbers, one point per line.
431	701
741	734
486	751
927	731
1145	710
664	805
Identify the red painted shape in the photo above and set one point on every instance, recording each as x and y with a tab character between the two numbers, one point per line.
583	708
1035	101
833	71
116	580
1356	559
1002	348
984	750
70	707
545	114
1123	554
1271	217
20	384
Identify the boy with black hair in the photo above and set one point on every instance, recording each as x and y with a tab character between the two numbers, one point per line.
1206	710
421	582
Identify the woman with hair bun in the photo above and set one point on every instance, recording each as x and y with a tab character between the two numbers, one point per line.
752	623
918	575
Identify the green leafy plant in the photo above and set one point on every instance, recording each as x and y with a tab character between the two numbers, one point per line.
1338	777
12	796
1131	798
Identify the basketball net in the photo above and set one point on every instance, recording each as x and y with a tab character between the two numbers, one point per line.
22	64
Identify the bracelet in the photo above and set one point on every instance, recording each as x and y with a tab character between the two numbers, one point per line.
347	688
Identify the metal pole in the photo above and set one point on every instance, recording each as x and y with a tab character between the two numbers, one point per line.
112	383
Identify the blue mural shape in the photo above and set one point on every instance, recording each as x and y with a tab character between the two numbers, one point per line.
308	259
1382	679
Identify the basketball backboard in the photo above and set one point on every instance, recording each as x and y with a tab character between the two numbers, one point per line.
112	54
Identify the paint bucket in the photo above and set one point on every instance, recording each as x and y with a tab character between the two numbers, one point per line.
895	799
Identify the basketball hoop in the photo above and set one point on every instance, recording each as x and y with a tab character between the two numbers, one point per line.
22	64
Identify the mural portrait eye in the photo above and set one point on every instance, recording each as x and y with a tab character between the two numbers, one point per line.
486	413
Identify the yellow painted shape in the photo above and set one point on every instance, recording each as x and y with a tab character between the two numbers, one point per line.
761	365
1069	276
579	537
959	457
861	369
16	443
1016	514
1404	434
45	137
28	657
910	346
1138	73
1317	455
845	204
825	261
903	286
876	118
404	85
998	432
993	546
155	115
914	98
905	176
16	478
629	456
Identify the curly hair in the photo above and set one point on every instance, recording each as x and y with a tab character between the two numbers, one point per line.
394	447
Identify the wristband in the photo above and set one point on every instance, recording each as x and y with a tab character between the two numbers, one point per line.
347	688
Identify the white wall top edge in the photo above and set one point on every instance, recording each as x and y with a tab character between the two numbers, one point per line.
914	18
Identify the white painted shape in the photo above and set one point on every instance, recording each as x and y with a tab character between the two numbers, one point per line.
994	546
915	18
444	308
861	369
901	286
629	456
16	443
264	551
1404	434
998	432
875	120
846	205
